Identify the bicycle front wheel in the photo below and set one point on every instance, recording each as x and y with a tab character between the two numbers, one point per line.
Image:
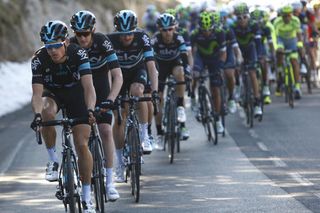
209	118
98	175
171	128
135	155
69	183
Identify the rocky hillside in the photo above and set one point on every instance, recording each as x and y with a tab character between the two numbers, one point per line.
21	20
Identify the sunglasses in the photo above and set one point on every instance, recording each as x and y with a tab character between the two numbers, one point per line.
54	45
241	17
84	34
167	29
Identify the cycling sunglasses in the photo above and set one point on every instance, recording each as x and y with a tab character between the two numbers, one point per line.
243	17
167	29
54	45
84	34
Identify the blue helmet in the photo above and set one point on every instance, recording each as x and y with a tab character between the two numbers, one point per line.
82	21
166	20
53	31
125	21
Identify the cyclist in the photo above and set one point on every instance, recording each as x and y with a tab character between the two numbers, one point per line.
209	48
171	55
102	59
288	31
149	19
233	57
135	54
258	17
62	76
249	39
181	28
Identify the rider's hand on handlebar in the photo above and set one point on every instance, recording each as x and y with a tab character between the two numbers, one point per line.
35	125
91	116
107	105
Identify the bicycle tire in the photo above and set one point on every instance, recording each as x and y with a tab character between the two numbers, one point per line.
98	175
171	128
248	102
209	118
289	86
68	174
135	155
178	138
224	109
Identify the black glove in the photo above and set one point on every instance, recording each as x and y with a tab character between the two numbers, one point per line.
107	104
155	95
187	73
36	122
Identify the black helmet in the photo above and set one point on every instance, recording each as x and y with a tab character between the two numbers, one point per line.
53	31
125	21
82	21
166	20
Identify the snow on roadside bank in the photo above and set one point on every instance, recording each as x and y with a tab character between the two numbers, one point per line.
15	86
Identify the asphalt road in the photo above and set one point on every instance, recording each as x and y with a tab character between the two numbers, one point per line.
273	167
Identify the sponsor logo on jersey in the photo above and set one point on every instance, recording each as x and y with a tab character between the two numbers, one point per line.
146	40
83	54
107	45
35	63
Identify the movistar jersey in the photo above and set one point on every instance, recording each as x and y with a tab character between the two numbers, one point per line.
246	35
210	46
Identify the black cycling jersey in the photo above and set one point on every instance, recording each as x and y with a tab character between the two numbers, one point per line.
64	75
102	56
137	53
168	52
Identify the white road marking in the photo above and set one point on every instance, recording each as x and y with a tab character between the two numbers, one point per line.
6	164
262	146
278	162
303	181
253	133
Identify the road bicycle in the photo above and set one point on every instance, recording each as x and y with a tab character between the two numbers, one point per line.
68	189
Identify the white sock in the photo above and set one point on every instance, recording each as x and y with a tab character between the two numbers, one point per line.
143	131
52	154
108	176
119	156
86	190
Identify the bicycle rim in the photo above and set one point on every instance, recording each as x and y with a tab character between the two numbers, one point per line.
68	174
172	128
135	164
98	178
210	124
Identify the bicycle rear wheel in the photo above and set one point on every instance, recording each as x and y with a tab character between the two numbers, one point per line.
98	175
135	156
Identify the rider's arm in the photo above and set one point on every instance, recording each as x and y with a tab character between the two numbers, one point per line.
222	48
115	75
84	70
36	101
116	84
89	92
149	60
37	85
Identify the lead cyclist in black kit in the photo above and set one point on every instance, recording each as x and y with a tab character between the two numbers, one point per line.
102	59
61	75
